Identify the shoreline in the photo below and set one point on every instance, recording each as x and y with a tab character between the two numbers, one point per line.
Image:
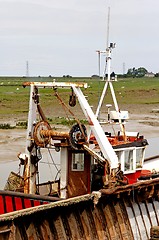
13	140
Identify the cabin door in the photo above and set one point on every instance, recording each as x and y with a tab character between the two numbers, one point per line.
78	173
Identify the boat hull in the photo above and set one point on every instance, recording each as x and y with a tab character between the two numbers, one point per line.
127	212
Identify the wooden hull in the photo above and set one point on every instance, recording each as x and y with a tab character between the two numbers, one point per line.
126	212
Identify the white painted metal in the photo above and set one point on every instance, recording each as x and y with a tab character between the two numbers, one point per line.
123	115
30	168
101	99
142	217
58	84
109	83
133	223
138	215
152	214
140	221
134	159
105	146
94	154
156	210
63	173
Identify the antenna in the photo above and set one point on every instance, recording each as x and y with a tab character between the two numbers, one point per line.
108	23
107	43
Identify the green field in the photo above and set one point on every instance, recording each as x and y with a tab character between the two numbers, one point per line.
14	99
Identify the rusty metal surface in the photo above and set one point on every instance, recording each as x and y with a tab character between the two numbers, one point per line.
55	84
114	217
54	134
38	138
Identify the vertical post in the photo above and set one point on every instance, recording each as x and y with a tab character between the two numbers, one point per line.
64	172
108	106
30	170
27	69
108	60
99	82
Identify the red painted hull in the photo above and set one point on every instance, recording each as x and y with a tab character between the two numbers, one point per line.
13	201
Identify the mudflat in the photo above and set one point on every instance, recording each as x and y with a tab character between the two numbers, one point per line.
142	120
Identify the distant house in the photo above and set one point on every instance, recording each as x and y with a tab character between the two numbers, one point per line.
95	76
150	74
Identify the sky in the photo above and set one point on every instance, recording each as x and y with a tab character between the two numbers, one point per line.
48	37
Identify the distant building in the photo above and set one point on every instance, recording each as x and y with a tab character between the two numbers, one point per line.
95	76
150	74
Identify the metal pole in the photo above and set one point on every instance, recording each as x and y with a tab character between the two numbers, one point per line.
30	170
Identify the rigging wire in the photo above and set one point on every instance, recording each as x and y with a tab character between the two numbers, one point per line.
57	164
68	109
51	173
49	165
53	162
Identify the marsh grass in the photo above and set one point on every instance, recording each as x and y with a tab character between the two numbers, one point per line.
14	99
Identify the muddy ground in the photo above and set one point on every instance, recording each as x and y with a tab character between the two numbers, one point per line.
143	118
12	141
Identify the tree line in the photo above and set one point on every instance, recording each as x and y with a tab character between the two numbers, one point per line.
139	72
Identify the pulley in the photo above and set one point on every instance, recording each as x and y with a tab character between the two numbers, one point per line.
78	135
72	99
39	139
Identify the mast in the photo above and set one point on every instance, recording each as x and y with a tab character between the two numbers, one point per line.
108	23
109	82
108	61
109	48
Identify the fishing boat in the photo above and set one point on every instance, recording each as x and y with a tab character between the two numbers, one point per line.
94	164
90	158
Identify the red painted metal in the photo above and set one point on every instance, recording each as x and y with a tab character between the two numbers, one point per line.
1	205
9	204
133	177
13	201
18	203
36	203
27	203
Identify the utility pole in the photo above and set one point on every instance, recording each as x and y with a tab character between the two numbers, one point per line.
123	68
27	69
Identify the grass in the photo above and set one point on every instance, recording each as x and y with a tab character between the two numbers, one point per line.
14	99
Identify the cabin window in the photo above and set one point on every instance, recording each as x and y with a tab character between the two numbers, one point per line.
139	157
128	160
119	155
77	161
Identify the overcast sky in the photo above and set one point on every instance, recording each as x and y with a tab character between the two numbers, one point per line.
61	37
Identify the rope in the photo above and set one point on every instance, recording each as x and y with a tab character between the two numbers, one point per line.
66	107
